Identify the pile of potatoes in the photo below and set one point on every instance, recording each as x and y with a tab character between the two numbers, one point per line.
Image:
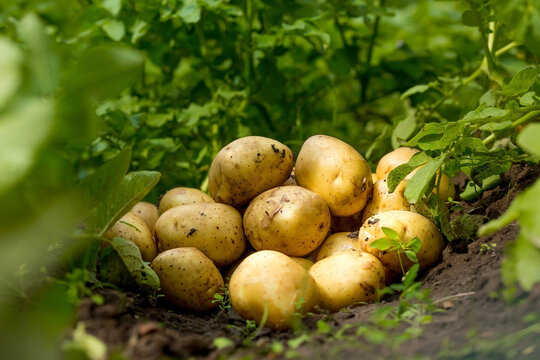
308	226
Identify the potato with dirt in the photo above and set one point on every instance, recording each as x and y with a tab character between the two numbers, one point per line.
336	172
289	219
133	228
182	196
348	277
270	285
247	167
188	278
342	241
215	229
347	223
383	200
408	225
148	212
401	156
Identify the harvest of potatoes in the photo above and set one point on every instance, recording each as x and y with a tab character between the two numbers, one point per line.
285	237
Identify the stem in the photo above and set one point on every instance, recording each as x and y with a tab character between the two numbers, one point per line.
401	262
489	55
515	124
454	296
364	79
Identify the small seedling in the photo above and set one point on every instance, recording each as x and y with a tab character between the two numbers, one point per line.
488	248
223	298
393	243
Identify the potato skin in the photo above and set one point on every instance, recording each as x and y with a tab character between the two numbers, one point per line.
137	231
289	219
273	279
347	223
346	278
188	278
337	242
382	200
215	229
408	225
335	171
246	167
182	196
148	212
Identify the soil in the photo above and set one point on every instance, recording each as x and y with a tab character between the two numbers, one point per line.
475	321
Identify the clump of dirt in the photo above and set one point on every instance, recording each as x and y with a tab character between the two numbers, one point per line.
466	283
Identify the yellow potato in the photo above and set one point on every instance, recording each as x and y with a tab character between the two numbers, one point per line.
382	200
401	156
148	212
347	223
247	167
348	277
374	177
229	270
289	219
305	263
215	229
408	225
133	228
269	280
336	172
188	278
337	242
182	196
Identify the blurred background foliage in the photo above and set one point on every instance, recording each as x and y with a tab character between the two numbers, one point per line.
174	81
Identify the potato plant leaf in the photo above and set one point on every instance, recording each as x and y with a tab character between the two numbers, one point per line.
382	244
521	264
120	199
528	139
399	173
420	182
411	255
520	83
427	130
415	244
391	233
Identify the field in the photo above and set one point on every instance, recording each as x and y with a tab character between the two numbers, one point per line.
107	103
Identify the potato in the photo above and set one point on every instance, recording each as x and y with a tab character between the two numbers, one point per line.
382	200
289	219
346	278
182	196
341	241
229	270
148	212
247	167
305	263
215	229
402	155
133	228
188	278
346	223
392	160
269	279
336	172
408	225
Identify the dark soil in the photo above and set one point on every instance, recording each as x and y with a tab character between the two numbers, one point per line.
476	322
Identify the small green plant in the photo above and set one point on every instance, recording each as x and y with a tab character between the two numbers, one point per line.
488	248
393	243
223	298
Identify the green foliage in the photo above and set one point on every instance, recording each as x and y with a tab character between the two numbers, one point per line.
393	243
223	298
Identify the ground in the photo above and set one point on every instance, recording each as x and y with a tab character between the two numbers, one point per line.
473	320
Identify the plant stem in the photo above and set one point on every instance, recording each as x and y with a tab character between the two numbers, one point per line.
489	55
515	124
364	79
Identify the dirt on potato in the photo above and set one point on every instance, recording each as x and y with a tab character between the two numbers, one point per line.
475	321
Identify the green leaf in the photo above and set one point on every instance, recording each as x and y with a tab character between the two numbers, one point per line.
399	173
415	245
411	275
392	234
468	18
89	345
520	83
130	254
119	200
522	263
428	129
466	226
112	6
485	113
104	180
420	182
404	129
222	343
528	99
43	61
115	29
441	141
22	133
104	71
473	191
414	90
496	126
528	139
138	30
10	71
382	244
190	11
411	255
